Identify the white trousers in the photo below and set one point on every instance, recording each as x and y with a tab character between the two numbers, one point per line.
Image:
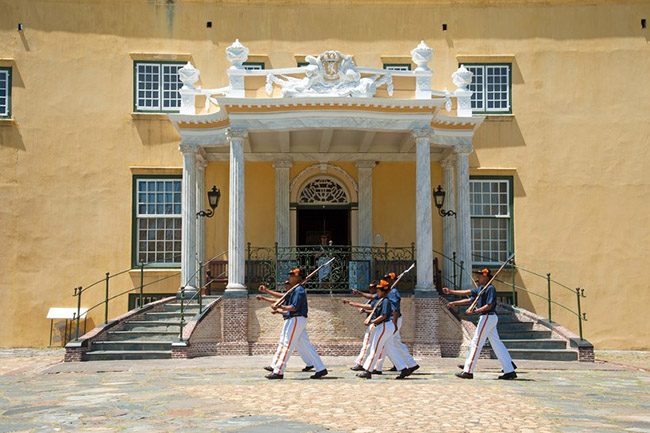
487	329
300	348
380	336
365	346
294	336
398	353
401	349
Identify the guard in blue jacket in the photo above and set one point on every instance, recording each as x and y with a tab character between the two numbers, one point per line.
486	327
294	310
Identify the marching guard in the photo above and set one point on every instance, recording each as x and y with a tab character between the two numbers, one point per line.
294	334
486	327
304	355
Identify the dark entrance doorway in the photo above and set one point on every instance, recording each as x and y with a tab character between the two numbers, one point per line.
313	222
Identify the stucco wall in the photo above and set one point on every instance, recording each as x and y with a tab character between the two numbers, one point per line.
576	144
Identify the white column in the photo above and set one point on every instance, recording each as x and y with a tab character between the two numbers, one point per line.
448	223
188	209
282	220
463	228
201	204
364	169
236	214
423	211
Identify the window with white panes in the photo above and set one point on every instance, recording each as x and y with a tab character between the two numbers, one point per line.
491	84
491	216
156	86
397	66
5	92
253	66
157	228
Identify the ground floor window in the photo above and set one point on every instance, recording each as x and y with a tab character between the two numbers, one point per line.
157	220
491	211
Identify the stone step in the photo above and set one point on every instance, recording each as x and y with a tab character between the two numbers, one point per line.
540	343
172	308
170	314
168	318
543	354
143	335
503	318
131	345
109	355
150	325
524	335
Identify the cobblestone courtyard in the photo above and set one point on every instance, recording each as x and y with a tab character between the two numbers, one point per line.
230	394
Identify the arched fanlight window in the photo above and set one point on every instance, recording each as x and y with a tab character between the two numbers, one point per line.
323	190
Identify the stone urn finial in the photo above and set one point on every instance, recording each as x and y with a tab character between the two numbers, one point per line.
237	54
462	77
421	56
188	75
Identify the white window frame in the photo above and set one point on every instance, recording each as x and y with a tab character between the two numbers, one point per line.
483	89
253	66
170	258
157	90
5	92
399	67
482	256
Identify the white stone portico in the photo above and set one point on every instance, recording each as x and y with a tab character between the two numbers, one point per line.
330	110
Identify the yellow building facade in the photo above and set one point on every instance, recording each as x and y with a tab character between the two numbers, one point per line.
558	119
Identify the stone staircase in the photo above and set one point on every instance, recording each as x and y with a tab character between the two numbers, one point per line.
151	337
525	339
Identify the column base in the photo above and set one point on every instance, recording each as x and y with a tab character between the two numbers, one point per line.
235	290
190	293
425	292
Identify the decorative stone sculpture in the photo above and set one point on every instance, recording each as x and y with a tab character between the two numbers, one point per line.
330	74
462	77
421	56
188	75
237	54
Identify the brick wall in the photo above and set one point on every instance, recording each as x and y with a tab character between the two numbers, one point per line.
333	328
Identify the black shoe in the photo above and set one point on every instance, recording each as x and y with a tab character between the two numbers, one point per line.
268	368
319	374
356	368
415	367
514	366
464	375
274	376
393	369
404	374
508	376
308	368
462	366
376	372
365	375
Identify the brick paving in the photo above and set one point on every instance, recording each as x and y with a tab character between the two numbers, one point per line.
229	394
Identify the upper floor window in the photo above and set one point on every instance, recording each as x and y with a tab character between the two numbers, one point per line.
492	87
157	220
397	66
156	86
5	92
253	66
491	216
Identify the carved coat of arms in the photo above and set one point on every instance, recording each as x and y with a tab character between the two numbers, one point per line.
330	74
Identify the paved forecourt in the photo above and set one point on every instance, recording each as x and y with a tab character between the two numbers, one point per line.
230	394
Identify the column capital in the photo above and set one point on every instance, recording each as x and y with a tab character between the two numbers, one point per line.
282	163
365	164
463	150
449	162
188	148
236	133
421	133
